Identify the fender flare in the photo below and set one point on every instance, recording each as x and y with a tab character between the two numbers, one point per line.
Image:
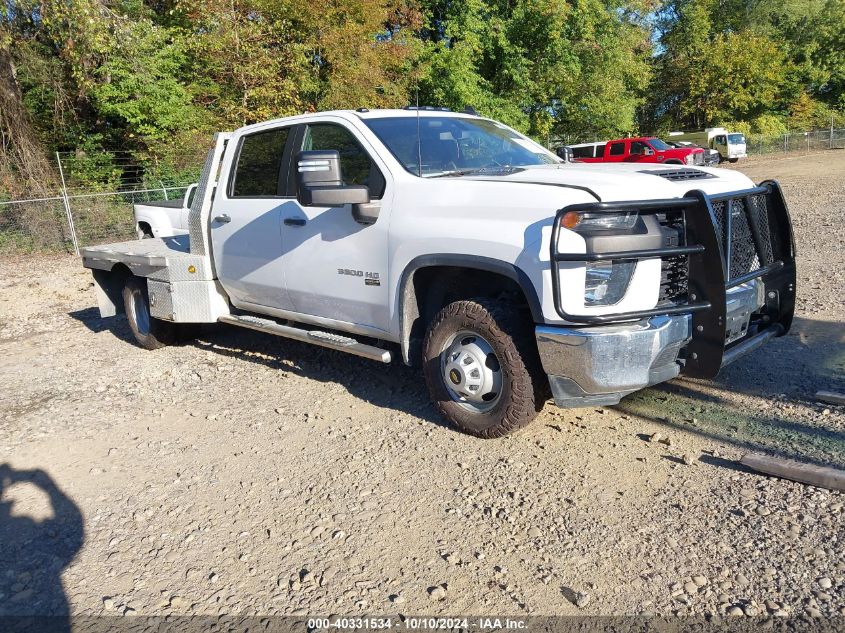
406	299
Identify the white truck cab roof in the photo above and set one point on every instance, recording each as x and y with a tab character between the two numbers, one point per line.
361	113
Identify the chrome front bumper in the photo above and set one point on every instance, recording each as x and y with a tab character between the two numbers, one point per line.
599	365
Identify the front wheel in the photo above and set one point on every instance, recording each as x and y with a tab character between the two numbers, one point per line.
482	368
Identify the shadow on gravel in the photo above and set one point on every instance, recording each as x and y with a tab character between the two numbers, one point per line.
811	357
779	376
393	386
728	464
33	553
90	318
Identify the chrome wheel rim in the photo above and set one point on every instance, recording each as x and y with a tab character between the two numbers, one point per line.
140	312
471	371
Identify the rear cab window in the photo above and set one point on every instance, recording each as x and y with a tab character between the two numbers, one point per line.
258	169
617	149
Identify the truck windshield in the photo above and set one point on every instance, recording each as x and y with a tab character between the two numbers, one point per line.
657	144
736	138
446	146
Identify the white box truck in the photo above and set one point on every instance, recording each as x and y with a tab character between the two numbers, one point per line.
730	145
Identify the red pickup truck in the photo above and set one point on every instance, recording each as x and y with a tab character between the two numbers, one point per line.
646	149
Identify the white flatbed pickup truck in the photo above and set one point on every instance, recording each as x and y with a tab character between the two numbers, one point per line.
466	248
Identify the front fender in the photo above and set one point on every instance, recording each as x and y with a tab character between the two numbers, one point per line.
408	303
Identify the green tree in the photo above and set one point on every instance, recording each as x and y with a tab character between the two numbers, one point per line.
739	61
246	62
362	52
574	68
138	86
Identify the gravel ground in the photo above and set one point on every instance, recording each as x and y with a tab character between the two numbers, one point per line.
251	475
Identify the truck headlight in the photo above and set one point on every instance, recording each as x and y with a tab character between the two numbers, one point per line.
590	222
689	159
607	282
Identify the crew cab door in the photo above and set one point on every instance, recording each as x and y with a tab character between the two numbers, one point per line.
642	152
246	225
336	268
615	152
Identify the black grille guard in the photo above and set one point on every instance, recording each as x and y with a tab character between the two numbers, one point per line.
707	243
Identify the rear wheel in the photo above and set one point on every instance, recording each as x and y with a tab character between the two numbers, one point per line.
482	368
151	333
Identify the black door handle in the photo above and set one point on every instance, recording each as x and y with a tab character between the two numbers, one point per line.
294	221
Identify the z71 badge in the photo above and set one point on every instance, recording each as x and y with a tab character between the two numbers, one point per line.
370	279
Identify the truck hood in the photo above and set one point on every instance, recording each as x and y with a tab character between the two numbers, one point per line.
627	181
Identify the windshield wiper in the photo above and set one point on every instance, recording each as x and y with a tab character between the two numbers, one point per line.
477	171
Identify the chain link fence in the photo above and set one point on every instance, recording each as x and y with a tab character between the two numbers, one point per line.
108	217
44	225
28	226
814	141
93	206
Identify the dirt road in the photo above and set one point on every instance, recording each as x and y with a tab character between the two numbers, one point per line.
250	475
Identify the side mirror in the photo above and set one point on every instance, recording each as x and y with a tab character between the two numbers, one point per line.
320	182
648	151
565	153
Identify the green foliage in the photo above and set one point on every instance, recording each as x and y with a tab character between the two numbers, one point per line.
92	168
542	66
614	72
362	52
768	125
244	68
750	62
142	90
